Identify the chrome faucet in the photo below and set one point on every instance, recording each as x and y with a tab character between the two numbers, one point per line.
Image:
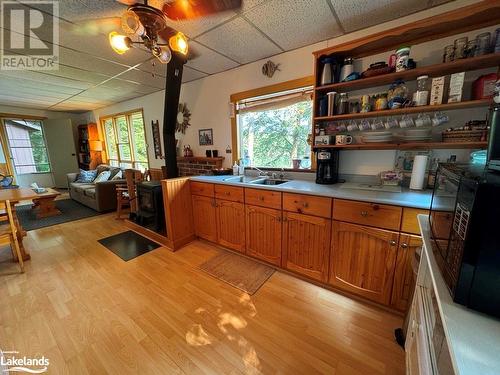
261	172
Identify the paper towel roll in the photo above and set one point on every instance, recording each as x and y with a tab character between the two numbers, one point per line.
418	172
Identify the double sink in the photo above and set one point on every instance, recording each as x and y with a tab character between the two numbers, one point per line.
255	180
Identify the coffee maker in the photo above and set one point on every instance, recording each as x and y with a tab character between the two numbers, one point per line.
327	171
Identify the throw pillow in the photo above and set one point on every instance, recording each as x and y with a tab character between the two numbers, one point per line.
117	176
86	176
103	176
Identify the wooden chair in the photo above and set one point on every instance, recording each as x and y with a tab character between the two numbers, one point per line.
126	193
8	234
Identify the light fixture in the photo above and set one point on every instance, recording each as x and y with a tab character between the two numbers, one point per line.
178	43
162	53
131	24
119	43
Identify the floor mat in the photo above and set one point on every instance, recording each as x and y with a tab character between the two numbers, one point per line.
240	272
71	210
128	245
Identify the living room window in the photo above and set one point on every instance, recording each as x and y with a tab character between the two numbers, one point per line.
273	129
27	146
126	140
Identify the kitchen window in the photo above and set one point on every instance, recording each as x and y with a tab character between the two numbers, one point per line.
126	140
273	129
27	146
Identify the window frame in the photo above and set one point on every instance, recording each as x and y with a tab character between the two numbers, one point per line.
9	147
262	91
128	119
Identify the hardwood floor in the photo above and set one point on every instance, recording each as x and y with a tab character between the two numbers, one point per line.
89	312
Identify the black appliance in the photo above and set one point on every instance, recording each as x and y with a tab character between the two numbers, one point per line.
494	138
150	213
327	171
465	231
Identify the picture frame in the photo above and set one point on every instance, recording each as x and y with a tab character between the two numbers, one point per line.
206	137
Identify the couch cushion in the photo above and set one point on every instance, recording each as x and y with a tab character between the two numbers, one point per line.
114	171
103	167
90	192
80	187
86	176
103	176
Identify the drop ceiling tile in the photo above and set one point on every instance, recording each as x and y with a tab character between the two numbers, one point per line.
42	78
250	4
189	74
77	74
129	86
193	28
209	61
5	99
23	83
143	78
240	41
84	61
153	67
28	92
359	14
293	24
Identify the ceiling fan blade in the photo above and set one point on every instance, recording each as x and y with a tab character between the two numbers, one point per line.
190	9
96	26
127	2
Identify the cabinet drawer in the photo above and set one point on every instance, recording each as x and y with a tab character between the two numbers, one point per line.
263	198
229	193
201	188
308	204
372	214
410	222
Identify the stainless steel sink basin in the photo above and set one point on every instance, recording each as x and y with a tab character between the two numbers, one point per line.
241	179
269	181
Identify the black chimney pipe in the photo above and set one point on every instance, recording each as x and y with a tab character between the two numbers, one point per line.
172	93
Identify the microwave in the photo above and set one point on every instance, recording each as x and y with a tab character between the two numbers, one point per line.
465	230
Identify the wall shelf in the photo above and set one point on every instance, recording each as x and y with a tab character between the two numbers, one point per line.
402	111
408	146
436	70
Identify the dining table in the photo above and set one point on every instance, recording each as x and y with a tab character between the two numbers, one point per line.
16	195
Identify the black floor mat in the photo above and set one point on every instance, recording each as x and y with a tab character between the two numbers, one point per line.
128	245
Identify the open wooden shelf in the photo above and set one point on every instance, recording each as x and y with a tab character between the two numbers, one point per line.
402	111
408	146
436	70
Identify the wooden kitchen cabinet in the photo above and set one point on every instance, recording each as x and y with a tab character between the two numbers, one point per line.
204	217
404	276
306	242
362	260
263	233
231	224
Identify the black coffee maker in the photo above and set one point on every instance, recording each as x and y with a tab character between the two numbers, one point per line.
327	171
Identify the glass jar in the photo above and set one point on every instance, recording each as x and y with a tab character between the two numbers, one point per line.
422	94
449	53
365	103
343	107
460	44
483	44
496	44
381	102
402	57
470	48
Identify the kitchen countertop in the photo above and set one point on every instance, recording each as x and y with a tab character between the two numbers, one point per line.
473	337
407	198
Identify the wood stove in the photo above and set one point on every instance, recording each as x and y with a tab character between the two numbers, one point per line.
150	213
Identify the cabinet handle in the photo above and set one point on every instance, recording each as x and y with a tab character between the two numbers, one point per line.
364	213
285	219
227	193
305	204
404	245
261	198
392	243
279	219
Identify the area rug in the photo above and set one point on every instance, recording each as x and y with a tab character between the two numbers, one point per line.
71	210
238	271
128	245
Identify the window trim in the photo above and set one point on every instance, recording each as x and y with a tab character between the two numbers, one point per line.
261	91
127	116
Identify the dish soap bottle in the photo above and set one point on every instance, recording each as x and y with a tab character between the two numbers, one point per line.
235	169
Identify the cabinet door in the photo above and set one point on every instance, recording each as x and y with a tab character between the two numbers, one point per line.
263	234
362	260
404	276
204	217
306	242
231	224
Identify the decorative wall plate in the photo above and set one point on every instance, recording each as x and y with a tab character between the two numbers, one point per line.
183	118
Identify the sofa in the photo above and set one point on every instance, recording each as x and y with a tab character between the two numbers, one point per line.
100	196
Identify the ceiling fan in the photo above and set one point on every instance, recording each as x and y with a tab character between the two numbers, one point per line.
144	25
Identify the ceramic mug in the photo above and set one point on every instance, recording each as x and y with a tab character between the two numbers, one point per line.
342	139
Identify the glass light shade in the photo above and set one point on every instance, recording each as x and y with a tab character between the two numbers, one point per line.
131	24
163	54
179	43
119	43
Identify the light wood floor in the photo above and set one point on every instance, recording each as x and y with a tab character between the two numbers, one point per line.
89	312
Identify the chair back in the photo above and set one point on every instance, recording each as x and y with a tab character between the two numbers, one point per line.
12	224
132	177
